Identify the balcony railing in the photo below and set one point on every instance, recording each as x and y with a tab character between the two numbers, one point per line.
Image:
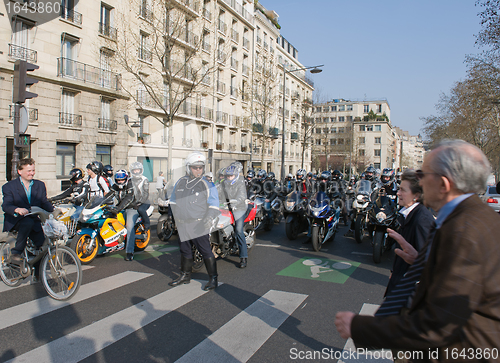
68	68
18	52
187	142
194	5
108	31
32	113
235	35
107	125
186	36
70	119
232	147
245	42
221	117
71	15
145	54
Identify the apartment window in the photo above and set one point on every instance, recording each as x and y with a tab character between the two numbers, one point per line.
348	118
340	141
341	107
376	165
69	53
377	152
369	127
326	119
334	108
144	48
103	154
377	128
333	119
219	136
318	130
325	130
366	108
106	23
349	107
341	130
379	108
318	109
318	141
333	141
326	109
362	128
333	130
68	104
361	140
361	152
18	49
65	159
377	140
341	119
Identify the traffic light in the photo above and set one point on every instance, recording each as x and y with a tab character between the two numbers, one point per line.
21	80
23	141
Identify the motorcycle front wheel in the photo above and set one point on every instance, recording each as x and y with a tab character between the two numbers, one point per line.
317	235
81	244
10	275
292	229
164	229
142	237
359	228
378	243
61	273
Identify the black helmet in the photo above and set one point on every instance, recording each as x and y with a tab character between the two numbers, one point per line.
250	174
336	175
261	174
325	176
301	173
95	166
310	175
370	173
387	176
108	170
76	174
271	175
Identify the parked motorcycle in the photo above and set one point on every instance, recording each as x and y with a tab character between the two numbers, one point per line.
382	215
361	202
295	214
324	217
104	232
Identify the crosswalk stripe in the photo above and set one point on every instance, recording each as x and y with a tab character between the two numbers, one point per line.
243	335
27	281
366	309
32	309
113	328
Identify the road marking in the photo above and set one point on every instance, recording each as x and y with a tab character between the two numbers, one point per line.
362	253
32	309
366	309
107	331
263	245
27	281
243	335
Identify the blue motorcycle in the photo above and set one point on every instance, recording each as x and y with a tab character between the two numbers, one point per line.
324	216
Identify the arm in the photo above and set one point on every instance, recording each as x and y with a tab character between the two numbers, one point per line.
8	205
63	195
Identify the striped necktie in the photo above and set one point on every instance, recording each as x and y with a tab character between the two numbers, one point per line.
399	295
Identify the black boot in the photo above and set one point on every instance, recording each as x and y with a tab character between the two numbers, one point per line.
243	262
211	266
185	277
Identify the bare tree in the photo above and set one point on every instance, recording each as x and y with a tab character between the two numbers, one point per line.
307	128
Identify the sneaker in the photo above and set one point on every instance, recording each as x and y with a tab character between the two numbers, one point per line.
130	257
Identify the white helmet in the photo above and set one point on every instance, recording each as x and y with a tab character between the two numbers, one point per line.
195	158
136	169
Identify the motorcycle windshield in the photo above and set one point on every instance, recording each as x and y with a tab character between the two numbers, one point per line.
319	204
363	187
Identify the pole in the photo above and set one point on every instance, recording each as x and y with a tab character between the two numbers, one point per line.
283	128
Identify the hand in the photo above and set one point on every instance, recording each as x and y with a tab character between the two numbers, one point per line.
343	321
21	211
407	252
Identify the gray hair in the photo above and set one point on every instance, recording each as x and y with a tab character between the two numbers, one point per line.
464	164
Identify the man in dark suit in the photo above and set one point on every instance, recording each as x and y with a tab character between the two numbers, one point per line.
454	314
19	195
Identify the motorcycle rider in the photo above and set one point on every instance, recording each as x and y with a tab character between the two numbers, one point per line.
107	172
78	192
389	184
141	191
303	185
233	191
98	184
195	204
123	191
370	173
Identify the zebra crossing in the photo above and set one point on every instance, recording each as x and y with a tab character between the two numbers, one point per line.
235	341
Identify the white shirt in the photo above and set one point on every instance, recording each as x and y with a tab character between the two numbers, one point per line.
95	189
159	182
405	211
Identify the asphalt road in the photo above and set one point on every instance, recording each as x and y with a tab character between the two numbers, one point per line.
280	308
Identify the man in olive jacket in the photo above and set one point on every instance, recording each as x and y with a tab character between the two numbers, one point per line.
454	314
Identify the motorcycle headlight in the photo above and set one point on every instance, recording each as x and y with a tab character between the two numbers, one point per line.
361	198
290	205
381	216
317	211
162	202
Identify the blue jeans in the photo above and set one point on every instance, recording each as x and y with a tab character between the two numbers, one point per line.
131	218
239	221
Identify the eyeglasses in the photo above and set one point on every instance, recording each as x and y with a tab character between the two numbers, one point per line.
420	174
195	167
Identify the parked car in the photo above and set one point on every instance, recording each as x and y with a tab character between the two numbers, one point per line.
492	198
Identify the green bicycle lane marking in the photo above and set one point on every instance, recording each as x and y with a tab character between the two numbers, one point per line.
149	252
320	269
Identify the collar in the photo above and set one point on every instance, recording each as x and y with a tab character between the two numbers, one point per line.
448	208
405	211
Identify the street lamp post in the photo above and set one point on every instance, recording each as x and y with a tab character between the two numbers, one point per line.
315	69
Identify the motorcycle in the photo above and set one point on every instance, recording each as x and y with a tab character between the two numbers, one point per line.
295	214
324	217
67	210
382	215
263	218
60	268
103	232
165	227
360	205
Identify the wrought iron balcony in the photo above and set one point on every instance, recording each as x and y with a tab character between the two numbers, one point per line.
221	117
70	119
71	15
108	31
107	125
26	54
68	68
32	113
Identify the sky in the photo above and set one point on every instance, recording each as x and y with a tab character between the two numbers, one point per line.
406	51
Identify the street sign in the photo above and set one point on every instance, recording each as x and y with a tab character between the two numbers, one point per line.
23	119
23	141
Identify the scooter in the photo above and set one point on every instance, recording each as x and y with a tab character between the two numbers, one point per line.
295	214
103	232
382	215
324	217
